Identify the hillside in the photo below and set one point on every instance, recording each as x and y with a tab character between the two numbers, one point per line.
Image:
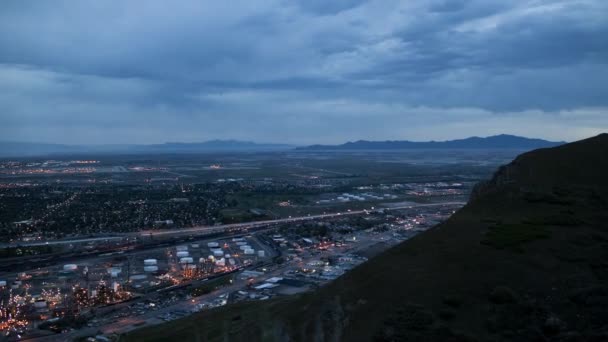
502	141
525	260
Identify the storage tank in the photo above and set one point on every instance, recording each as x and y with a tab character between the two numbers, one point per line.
138	277
151	268
249	251
232	262
182	254
211	257
218	253
70	267
40	304
213	244
181	248
261	253
150	262
186	260
112	270
202	260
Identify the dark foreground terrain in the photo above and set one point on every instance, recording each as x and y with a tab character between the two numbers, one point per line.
525	260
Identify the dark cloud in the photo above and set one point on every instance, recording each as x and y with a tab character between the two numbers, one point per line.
321	71
324	7
445	6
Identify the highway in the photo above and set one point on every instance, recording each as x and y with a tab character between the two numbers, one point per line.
206	230
59	242
236	226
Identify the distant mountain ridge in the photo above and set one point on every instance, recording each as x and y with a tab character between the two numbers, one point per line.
216	145
9	148
502	141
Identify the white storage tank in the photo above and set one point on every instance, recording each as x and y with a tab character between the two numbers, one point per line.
213	244
232	262
218	253
150	262
138	277
70	267
261	253
186	260
211	257
151	268
40	304
114	270
202	260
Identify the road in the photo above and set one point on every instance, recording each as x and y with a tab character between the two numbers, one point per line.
235	226
204	230
59	242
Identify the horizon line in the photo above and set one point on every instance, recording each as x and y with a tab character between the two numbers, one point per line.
277	143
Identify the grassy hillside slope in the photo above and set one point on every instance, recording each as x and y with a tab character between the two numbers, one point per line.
526	259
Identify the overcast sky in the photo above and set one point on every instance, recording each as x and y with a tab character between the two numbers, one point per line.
309	71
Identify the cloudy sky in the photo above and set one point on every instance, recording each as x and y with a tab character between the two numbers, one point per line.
309	71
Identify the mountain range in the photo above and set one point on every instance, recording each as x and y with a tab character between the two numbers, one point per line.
503	141
525	260
40	149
